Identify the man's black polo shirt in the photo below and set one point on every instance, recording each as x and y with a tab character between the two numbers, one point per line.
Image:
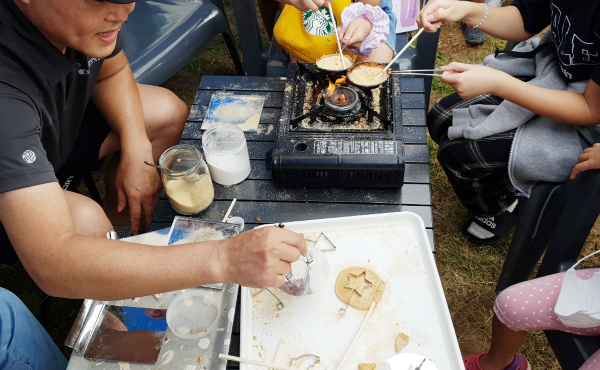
43	96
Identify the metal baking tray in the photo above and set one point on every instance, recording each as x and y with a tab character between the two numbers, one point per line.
176	353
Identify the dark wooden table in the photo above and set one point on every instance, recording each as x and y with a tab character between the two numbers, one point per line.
260	201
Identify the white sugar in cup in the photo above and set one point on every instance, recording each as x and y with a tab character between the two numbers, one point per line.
226	154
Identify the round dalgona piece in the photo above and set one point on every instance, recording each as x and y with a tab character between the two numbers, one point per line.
369	294
333	62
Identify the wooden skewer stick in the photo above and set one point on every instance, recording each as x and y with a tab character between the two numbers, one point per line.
277	351
229	210
337	38
357	335
253	362
408	44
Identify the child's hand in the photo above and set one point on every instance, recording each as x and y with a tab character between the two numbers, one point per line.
590	159
437	12
356	32
306	5
472	80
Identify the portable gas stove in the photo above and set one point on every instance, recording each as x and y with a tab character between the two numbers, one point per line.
345	138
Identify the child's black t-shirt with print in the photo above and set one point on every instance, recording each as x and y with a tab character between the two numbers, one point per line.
571	22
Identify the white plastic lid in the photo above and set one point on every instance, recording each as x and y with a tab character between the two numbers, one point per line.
194	314
223	139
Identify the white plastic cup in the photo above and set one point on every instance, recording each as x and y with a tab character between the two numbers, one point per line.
226	154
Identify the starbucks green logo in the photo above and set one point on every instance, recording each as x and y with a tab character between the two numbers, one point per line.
318	22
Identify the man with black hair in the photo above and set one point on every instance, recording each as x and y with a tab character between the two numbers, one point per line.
67	99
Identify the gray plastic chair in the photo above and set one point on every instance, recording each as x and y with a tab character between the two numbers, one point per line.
164	35
555	222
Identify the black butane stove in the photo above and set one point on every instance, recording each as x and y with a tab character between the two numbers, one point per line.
344	138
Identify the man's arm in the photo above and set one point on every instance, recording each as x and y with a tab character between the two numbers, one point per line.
116	96
39	224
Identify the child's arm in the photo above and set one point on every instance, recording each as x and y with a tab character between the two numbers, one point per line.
371	2
505	22
356	32
561	106
358	29
590	159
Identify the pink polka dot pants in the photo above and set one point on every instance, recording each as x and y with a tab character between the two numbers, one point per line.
530	306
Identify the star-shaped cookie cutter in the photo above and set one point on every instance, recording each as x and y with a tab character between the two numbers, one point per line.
367	284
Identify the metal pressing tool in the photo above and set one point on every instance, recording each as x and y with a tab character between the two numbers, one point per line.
279	304
118	333
305	362
308	274
324	244
418	367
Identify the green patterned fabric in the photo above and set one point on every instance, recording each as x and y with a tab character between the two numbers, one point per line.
318	22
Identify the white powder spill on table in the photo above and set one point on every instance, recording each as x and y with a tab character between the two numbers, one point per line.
234	110
251	123
189	196
202	235
204	343
169	356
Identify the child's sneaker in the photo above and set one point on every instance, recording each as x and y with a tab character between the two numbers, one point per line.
519	363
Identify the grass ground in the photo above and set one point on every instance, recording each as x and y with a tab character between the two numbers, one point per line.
469	274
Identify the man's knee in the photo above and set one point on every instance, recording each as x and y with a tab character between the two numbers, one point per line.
88	216
174	111
164	112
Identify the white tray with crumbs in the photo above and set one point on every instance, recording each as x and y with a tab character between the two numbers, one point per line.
393	245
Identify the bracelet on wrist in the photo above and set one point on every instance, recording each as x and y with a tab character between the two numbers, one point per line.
484	17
